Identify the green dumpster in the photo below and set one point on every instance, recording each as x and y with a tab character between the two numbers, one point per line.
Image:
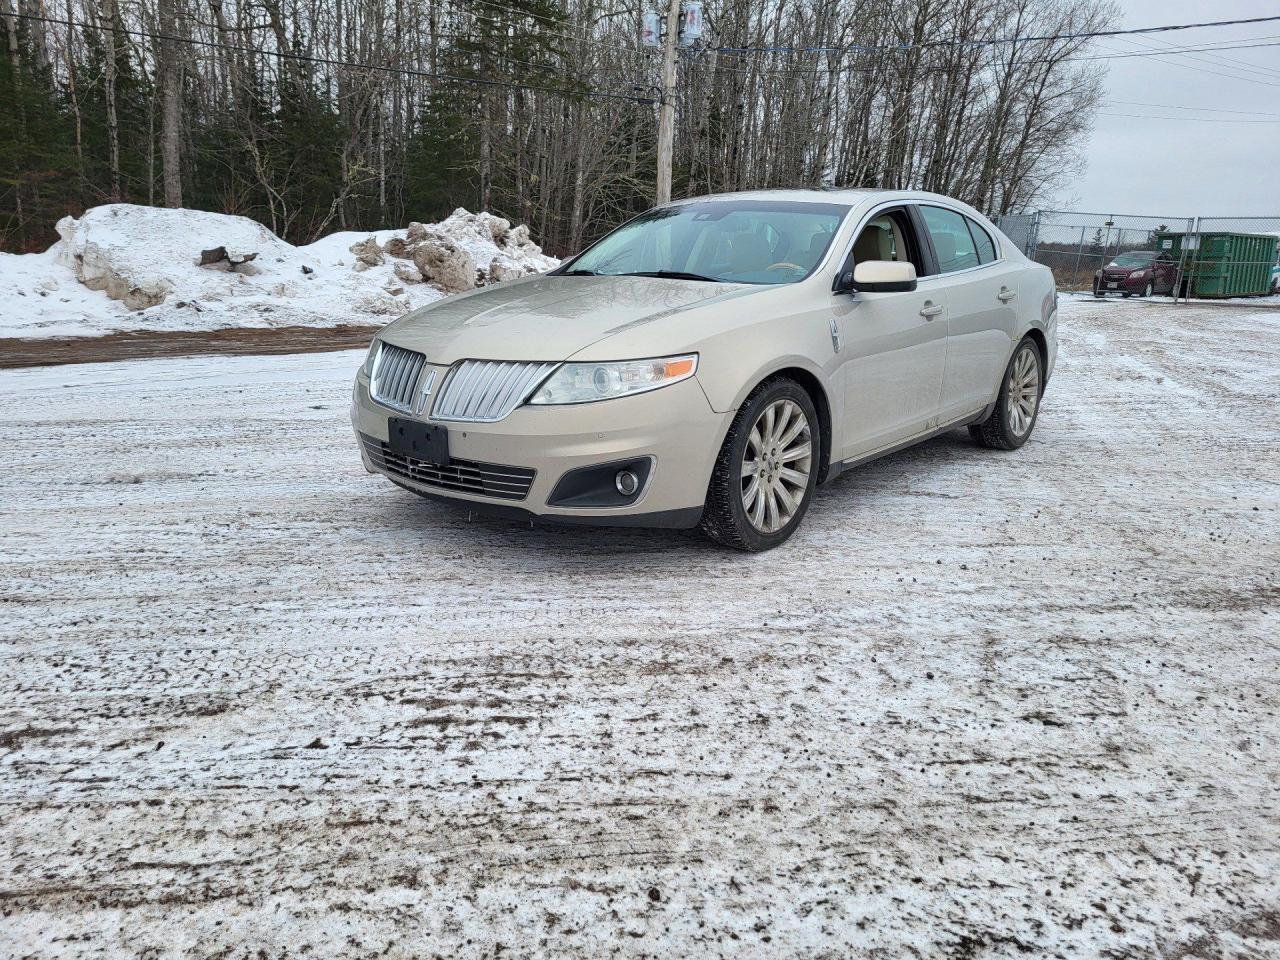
1222	264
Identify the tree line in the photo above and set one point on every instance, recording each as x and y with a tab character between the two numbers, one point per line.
317	115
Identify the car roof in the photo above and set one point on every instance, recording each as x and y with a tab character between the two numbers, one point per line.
853	196
802	195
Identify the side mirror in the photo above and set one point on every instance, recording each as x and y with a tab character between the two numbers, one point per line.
884	276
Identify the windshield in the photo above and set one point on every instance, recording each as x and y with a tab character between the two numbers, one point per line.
1133	260
733	241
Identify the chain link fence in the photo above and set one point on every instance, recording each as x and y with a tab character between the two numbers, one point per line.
1185	257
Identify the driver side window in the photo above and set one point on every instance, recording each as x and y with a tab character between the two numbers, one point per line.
879	240
887	236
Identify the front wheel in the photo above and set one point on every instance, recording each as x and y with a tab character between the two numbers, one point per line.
1148	289
1018	404
767	469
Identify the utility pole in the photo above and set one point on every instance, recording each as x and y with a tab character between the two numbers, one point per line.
667	106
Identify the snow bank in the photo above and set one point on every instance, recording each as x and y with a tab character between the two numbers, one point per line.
127	267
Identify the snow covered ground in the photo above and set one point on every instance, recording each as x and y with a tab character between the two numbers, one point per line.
982	705
133	255
1272	300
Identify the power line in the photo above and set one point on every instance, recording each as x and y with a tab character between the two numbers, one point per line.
1164	58
1178	106
1168	53
1230	63
832	69
1147	116
999	40
354	65
1145	52
1235	61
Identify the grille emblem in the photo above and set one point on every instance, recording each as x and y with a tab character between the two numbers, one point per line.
424	391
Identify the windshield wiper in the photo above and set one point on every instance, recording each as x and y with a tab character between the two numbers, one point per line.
670	275
578	273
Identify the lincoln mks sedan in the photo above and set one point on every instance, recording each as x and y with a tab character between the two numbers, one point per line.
712	361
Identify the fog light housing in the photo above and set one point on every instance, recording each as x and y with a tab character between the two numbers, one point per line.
616	484
626	482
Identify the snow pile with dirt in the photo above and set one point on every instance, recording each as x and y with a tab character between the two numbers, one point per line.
127	267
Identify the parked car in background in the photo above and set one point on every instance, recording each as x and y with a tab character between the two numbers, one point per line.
713	360
1143	272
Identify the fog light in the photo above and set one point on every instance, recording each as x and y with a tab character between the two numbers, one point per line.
626	482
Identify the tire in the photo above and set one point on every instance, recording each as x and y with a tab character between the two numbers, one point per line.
1127	294
1008	428
1097	290
725	517
1149	289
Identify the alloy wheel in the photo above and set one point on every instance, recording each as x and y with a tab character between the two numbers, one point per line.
1022	392
776	466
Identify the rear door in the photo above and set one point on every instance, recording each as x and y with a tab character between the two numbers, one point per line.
980	288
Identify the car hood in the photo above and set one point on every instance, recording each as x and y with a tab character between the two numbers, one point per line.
547	317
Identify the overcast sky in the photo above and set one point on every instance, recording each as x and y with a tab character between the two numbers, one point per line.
1188	166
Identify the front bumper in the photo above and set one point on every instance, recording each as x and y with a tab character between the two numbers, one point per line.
674	425
1123	283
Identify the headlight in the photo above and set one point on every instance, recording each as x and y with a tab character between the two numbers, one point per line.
367	367
1138	274
585	382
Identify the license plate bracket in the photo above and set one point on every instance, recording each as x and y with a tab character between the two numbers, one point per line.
428	442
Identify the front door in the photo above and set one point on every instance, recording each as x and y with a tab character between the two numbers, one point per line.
895	351
894	344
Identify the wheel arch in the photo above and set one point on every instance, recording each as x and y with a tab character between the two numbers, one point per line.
818	394
811	383
1041	341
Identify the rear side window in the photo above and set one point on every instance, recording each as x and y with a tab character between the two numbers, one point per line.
982	241
952	241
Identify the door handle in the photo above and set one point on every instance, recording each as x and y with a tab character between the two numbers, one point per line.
1006	294
930	309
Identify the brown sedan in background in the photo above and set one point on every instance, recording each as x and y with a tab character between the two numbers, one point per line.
1143	272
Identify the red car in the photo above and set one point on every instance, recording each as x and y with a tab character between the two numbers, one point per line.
1139	271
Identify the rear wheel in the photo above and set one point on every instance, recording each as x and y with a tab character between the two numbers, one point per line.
1018	404
767	469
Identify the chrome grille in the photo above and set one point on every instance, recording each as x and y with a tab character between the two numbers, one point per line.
461	476
394	382
487	390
